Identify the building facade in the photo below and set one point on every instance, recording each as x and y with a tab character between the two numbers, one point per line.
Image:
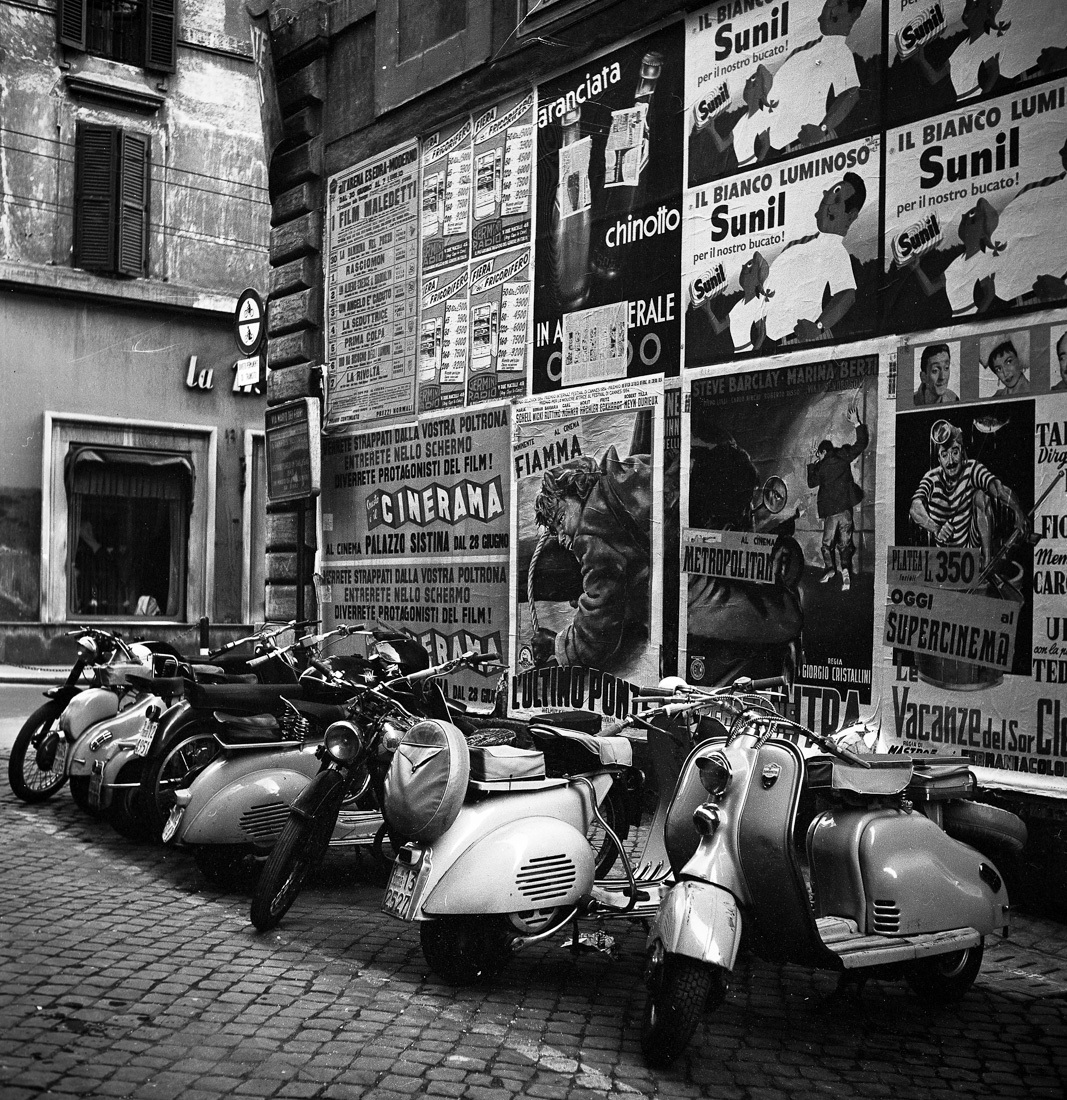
134	211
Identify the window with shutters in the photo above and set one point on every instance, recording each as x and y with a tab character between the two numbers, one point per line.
111	193
137	32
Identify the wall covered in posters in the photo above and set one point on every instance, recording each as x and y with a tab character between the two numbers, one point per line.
608	229
761	243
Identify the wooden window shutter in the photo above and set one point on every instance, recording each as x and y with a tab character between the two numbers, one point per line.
133	205
71	22
161	35
95	169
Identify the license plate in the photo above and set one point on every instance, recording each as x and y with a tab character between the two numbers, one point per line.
400	893
96	783
173	821
144	741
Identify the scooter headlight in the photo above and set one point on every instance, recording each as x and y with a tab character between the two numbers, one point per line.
343	742
714	773
88	643
393	733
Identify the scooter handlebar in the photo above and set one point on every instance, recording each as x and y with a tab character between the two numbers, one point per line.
743	683
470	657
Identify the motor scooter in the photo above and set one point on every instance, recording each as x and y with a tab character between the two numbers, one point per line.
882	889
500	855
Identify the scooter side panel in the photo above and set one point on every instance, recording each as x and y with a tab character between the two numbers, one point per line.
700	921
522	865
100	742
231	802
918	879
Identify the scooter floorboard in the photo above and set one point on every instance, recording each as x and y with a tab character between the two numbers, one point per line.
855	950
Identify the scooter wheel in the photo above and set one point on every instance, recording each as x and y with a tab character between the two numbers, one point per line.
29	781
125	816
79	791
464	950
944	979
679	988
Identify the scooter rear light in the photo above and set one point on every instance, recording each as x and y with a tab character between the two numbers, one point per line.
714	773
706	819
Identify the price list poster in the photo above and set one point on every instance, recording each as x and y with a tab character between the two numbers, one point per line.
447	161
372	288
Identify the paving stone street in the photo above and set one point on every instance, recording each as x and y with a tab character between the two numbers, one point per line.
123	974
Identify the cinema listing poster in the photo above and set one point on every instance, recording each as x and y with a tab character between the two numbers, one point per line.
943	55
609	213
783	257
974	641
974	202
779	527
763	82
588	530
372	287
416	536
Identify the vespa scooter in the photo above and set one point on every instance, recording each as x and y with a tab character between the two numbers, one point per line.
500	855
884	890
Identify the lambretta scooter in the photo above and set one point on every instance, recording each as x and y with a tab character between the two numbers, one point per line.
885	890
500	856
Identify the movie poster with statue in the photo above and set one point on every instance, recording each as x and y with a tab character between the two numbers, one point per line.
608	222
946	54
779	534
416	538
783	257
976	576
974	202
763	82
588	536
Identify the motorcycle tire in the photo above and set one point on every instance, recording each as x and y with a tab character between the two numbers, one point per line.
228	866
28	781
297	852
173	768
79	791
464	950
944	979
616	812
673	1008
125	817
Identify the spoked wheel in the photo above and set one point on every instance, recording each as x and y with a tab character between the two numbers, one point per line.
944	979
173	769
38	764
678	989
615	812
299	849
228	866
464	950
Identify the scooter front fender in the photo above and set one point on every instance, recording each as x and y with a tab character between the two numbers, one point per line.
233	803
700	921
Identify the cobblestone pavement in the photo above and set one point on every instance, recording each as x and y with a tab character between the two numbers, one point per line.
123	974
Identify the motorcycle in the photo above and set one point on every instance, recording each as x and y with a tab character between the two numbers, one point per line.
108	746
37	768
230	813
875	885
354	756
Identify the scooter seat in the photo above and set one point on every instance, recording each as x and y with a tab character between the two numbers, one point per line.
260	724
608	750
888	774
243	698
166	687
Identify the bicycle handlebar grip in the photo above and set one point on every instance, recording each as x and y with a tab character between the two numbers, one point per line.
255	662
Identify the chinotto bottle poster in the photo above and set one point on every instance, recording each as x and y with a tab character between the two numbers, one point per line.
608	223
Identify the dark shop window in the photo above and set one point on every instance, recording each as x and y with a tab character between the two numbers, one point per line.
111	177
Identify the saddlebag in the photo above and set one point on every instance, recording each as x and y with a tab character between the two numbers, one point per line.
506	764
